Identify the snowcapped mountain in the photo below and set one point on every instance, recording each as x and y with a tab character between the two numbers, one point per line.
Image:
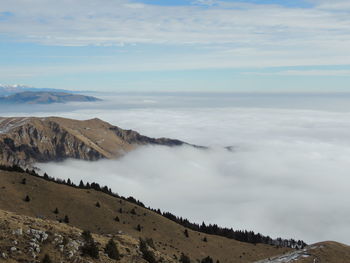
6	90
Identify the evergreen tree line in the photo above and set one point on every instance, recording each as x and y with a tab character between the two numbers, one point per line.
240	235
211	229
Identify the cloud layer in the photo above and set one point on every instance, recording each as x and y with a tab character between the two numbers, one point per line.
287	176
225	34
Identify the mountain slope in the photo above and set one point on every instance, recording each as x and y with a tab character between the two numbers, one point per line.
329	251
30	97
24	141
80	206
24	239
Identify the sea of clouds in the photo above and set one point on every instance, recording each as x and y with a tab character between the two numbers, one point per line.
288	173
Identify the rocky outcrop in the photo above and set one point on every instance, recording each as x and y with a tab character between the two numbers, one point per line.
28	239
24	141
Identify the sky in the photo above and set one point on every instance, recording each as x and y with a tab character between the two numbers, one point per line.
177	45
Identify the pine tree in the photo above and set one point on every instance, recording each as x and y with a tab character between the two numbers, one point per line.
184	258
186	233
139	228
46	259
98	204
24	181
27	199
89	248
81	184
116	219
66	219
56	211
112	250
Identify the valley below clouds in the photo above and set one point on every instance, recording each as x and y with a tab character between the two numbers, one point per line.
287	174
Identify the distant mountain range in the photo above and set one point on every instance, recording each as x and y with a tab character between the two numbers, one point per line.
6	90
30	97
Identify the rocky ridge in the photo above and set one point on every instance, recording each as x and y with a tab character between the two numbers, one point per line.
26	140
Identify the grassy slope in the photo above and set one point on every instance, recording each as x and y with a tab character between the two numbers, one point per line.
10	222
329	251
79	205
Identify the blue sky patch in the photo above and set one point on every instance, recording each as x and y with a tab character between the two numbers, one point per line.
5	16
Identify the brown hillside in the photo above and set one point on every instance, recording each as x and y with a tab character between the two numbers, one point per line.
330	252
28	239
80	206
24	141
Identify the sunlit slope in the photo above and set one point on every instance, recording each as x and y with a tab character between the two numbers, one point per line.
28	239
24	141
329	251
80	207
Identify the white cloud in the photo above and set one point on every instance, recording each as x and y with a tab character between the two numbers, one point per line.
275	35
308	72
288	175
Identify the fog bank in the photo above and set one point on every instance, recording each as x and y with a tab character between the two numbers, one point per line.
288	175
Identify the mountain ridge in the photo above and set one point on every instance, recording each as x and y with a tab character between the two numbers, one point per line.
41	97
26	140
6	89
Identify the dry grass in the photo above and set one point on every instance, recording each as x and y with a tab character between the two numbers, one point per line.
10	222
328	252
80	207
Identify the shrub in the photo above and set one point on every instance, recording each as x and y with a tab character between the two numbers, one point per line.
132	211
98	204
207	260
89	248
46	259
112	250
184	258
149	242
186	233
147	254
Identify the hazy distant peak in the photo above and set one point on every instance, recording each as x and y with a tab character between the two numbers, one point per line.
40	97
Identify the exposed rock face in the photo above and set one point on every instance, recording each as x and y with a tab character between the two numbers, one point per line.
24	141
